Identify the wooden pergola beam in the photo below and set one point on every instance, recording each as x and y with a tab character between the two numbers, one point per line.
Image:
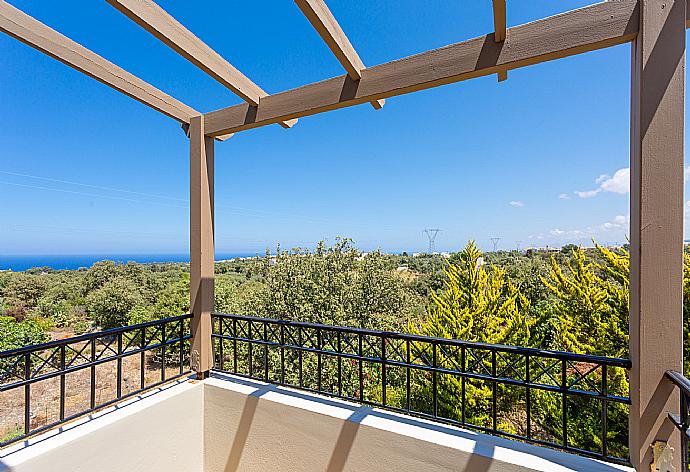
173	34
500	29
586	29
323	21
499	7
32	32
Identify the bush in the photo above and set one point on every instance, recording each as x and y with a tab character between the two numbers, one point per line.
15	334
109	305
24	290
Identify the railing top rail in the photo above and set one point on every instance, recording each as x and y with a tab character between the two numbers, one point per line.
89	336
611	361
679	380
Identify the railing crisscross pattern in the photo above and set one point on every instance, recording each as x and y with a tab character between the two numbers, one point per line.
457	382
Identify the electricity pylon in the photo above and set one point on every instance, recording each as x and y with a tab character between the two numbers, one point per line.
495	241
431	234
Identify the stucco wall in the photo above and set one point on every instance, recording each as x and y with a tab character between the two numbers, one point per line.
250	426
161	432
227	424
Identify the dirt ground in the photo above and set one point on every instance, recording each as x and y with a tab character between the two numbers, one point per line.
45	395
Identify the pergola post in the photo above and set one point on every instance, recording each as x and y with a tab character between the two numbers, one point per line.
201	245
656	225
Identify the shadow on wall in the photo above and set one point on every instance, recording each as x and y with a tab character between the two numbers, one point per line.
242	433
480	461
346	438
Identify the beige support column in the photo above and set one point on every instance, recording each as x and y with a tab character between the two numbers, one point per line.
201	245
656	225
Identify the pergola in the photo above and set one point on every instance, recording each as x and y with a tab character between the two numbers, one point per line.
656	29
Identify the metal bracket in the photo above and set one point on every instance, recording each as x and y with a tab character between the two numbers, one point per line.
663	457
195	361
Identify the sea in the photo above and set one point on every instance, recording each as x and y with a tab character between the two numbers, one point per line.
19	263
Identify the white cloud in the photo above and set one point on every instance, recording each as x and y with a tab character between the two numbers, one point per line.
619	183
602	178
621	220
564	196
516	203
570	233
618	223
587	193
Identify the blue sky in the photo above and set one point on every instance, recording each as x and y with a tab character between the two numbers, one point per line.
84	169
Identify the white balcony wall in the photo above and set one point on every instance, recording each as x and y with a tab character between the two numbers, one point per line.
227	424
251	426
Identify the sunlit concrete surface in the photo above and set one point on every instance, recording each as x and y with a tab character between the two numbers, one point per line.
226	423
158	430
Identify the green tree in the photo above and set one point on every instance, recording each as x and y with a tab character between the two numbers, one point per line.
23	290
109	305
173	299
591	310
238	297
478	304
98	274
335	285
591	303
15	334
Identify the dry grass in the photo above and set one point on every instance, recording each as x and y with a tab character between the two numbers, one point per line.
45	395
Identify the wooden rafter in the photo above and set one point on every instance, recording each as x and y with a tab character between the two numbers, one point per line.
586	29
500	29
172	33
499	7
323	21
32	32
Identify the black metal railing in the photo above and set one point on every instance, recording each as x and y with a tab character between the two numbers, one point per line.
573	402
682	420
45	385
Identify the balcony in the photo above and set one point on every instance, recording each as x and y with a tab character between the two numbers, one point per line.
371	400
298	396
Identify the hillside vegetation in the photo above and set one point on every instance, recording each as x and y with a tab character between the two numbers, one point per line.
550	300
572	300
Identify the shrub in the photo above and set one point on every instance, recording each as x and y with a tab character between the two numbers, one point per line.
109	305
14	334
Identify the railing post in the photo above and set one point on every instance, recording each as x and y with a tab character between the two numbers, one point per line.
201	245
656	224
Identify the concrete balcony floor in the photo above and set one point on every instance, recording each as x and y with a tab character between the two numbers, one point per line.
226	423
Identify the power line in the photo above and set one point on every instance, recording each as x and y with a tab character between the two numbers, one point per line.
176	202
94	195
495	241
100	187
431	233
